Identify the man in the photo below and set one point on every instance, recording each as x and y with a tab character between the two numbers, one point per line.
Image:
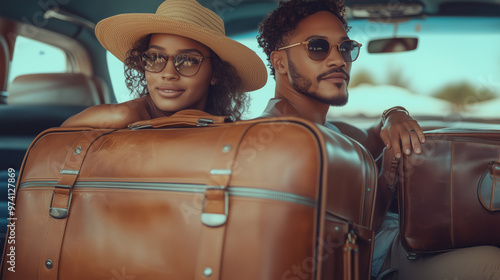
310	56
309	82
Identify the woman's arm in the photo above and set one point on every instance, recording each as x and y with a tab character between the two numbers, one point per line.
110	115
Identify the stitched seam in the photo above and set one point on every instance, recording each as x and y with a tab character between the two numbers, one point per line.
365	194
451	195
61	229
493	188
492	195
42	252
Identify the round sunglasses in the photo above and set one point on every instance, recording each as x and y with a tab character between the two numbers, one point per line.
185	64
319	49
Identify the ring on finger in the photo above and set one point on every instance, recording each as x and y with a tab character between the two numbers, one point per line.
411	130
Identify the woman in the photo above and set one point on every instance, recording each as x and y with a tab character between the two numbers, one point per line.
178	58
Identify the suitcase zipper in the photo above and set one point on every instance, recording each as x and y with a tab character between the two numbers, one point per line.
471	138
192	188
273	195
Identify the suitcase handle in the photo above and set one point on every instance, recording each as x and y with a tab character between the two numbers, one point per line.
188	117
488	189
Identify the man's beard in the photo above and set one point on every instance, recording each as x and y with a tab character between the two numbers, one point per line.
302	85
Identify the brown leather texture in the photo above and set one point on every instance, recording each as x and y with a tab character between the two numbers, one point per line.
184	118
441	202
388	181
140	198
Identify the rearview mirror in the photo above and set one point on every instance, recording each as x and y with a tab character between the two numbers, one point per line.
392	45
388	11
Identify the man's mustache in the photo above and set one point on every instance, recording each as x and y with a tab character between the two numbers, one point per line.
331	71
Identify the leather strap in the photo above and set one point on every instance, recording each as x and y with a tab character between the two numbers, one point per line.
216	205
188	117
60	205
494	169
351	258
495	189
489	187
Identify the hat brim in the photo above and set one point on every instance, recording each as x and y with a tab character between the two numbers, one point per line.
118	34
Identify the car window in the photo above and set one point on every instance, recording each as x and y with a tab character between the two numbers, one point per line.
41	58
260	97
117	76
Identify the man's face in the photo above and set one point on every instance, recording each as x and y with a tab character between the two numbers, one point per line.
324	80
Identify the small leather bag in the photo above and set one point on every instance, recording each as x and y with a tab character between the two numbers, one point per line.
449	196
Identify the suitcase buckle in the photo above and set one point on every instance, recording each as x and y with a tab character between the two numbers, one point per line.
60	213
204	122
215	219
411	256
138	126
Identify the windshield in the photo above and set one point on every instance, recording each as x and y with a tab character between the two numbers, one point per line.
454	71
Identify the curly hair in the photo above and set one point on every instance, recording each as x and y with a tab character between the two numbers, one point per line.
282	22
224	98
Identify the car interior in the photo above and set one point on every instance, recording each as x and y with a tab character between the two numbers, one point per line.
401	41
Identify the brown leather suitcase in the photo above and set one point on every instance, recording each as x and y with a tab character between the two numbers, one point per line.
450	195
193	197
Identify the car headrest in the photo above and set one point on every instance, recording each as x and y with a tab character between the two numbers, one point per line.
53	89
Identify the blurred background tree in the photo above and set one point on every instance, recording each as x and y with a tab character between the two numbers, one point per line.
395	77
463	94
363	76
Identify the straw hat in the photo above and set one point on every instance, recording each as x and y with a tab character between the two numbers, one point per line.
189	19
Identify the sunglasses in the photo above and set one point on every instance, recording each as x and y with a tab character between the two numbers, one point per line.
319	49
185	64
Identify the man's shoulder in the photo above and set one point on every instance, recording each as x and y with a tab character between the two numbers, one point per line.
277	107
333	127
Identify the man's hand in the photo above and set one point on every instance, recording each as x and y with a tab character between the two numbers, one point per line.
400	132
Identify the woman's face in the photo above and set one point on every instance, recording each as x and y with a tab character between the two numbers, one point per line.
170	90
